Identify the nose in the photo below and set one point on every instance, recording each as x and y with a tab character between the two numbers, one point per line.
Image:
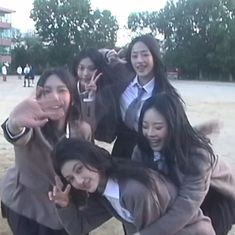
150	132
55	95
86	72
79	182
139	58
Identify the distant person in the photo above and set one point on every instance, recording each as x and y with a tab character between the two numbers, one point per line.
26	75
19	71
4	72
31	74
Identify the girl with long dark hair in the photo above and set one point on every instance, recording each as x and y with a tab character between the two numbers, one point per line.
34	127
169	144
116	187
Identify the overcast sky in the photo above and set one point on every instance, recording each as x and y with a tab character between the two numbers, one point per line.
119	8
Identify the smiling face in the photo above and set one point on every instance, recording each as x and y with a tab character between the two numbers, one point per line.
80	176
85	70
142	61
58	91
155	129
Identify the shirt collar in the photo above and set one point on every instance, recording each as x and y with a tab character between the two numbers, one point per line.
111	189
148	87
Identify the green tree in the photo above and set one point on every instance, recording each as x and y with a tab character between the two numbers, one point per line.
66	26
198	35
30	50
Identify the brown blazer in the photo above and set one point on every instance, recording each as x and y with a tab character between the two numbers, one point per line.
25	186
193	191
145	207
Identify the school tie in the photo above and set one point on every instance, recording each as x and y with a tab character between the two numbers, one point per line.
131	118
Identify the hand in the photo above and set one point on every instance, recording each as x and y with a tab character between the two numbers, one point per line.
33	112
210	127
58	196
113	57
91	87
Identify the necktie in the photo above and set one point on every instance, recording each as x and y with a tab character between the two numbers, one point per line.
131	119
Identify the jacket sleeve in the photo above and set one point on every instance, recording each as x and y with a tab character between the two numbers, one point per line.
190	196
81	221
21	139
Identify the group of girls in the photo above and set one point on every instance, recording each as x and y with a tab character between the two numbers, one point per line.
174	183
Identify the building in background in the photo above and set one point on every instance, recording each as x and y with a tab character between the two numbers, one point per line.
5	35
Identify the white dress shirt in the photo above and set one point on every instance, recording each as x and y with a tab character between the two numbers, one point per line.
131	92
111	193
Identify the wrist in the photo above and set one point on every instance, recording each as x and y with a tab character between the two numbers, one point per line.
13	127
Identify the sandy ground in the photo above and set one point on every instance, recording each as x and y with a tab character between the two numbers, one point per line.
204	101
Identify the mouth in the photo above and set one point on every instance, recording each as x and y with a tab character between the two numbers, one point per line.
140	68
155	142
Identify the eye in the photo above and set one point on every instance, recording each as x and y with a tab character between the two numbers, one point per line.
78	169
80	67
134	56
158	127
46	91
63	90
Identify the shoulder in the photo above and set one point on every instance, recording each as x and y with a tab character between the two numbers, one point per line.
132	190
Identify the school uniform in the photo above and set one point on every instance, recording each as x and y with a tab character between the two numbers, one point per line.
132	203
124	90
25	187
219	204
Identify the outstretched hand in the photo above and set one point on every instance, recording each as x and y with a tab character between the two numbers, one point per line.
35	111
58	196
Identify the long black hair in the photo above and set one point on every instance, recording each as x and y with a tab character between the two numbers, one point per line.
182	137
100	159
74	112
159	71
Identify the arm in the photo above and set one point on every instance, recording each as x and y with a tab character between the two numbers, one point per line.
75	220
191	194
83	221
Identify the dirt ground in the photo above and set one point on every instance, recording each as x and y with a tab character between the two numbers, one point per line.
204	101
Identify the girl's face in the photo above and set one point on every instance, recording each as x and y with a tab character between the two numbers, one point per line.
80	176
142	61
55	89
86	69
155	129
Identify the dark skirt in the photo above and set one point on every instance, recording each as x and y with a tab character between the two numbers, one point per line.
221	211
20	225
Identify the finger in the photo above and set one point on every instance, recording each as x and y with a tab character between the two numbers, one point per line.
54	191
37	123
97	78
120	52
67	189
50	195
58	182
93	75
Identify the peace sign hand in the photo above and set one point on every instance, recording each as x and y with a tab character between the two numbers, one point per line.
91	87
58	196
